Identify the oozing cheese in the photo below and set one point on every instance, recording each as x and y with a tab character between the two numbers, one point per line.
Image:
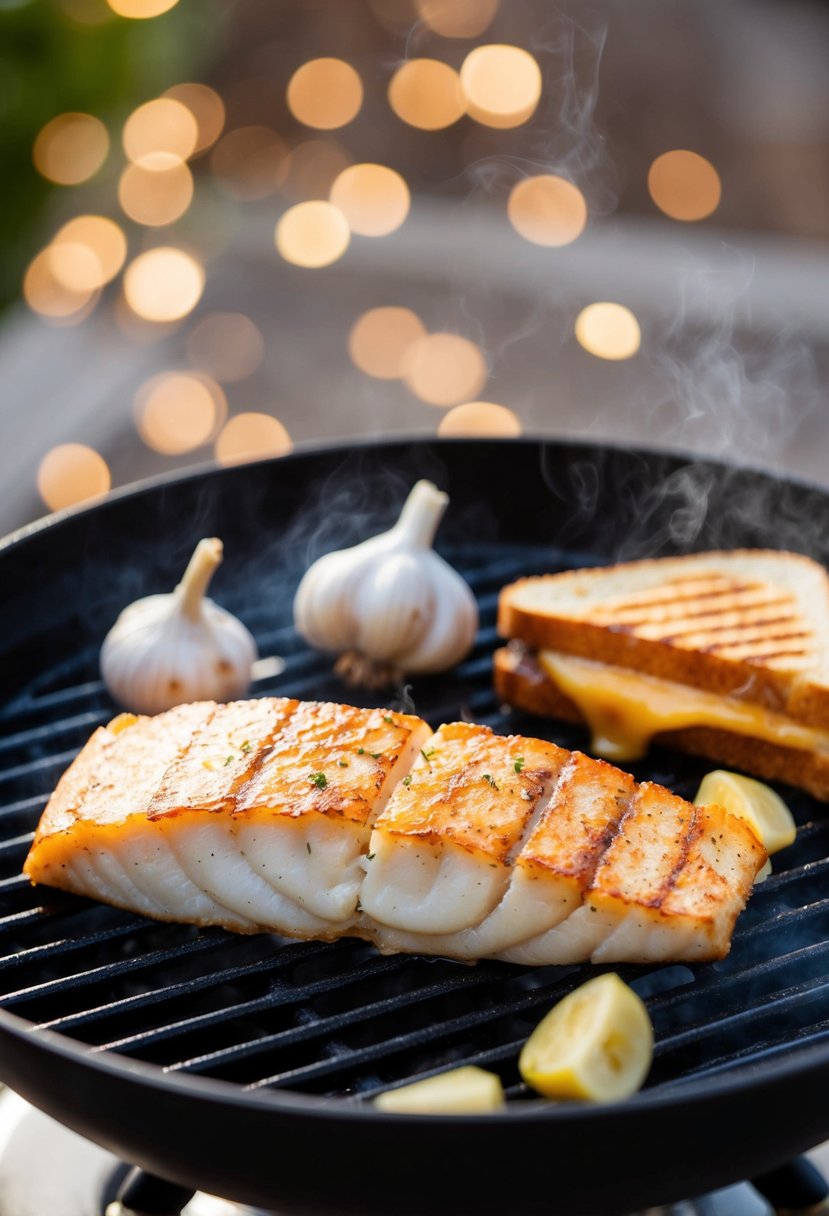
624	709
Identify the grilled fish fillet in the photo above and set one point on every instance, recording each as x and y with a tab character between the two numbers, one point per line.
316	820
252	815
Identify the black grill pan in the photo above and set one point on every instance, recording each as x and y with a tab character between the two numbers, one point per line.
245	1066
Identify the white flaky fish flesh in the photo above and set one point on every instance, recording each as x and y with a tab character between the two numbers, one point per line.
316	820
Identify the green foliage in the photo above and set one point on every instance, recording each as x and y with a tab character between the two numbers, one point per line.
51	62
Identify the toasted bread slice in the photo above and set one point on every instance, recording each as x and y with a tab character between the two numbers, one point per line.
750	624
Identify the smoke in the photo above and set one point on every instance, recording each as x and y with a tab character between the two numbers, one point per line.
564	138
726	388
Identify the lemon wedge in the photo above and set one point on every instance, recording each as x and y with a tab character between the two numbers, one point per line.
764	811
463	1091
596	1043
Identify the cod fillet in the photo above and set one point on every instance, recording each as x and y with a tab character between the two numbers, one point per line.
317	820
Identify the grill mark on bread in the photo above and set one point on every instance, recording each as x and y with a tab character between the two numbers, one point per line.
752	650
720	608
675	595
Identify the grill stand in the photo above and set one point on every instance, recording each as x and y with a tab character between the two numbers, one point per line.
143	1194
795	1189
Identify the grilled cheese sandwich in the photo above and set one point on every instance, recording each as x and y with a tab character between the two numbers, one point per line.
722	654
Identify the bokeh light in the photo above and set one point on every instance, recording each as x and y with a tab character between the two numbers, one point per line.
75	266
160	125
457	18
547	210
207	108
99	235
52	299
70	148
325	93
445	369
157	190
312	234
313	167
227	345
480	418
684	185
427	93
178	411
609	331
141	9
250	163
251	436
380	340
373	198
501	84
163	284
72	473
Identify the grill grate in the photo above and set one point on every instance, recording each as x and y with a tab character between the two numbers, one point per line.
338	1019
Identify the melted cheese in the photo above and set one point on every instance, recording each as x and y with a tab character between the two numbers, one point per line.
624	709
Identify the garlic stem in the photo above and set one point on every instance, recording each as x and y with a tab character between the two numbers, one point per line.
421	514
206	559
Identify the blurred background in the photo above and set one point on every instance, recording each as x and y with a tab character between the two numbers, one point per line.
231	228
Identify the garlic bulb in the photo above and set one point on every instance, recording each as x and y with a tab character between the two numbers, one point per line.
165	650
390	606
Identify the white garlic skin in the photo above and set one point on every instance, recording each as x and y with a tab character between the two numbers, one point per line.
392	598
166	650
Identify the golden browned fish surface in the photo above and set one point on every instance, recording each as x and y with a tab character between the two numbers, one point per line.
251	815
316	820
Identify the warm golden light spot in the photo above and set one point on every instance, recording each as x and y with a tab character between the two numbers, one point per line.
609	331
140	10
502	85
480	418
250	163
72	473
443	369
76	266
161	125
70	148
547	210
157	190
427	94
380	339
100	235
207	108
163	284
49	297
457	18
373	198
179	411
312	234
252	436
684	185
227	345
325	93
